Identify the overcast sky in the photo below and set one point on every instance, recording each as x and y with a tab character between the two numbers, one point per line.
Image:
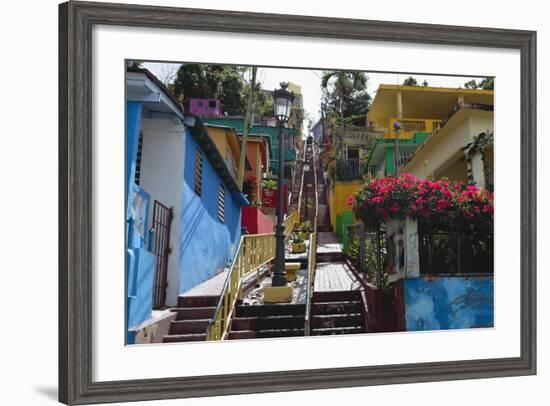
310	81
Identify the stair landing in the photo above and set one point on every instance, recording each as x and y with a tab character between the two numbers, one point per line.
328	243
334	276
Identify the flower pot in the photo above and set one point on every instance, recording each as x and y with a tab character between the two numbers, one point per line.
298	247
304	235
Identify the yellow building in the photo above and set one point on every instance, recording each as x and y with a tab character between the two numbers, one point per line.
227	142
419	108
258	154
446	119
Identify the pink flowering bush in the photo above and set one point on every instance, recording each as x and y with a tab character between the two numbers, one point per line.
437	202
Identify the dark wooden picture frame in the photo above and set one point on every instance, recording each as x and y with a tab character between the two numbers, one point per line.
76	20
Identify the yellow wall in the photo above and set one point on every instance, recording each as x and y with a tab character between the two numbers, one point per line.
404	132
338	196
226	140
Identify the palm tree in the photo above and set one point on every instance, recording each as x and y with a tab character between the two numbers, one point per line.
344	84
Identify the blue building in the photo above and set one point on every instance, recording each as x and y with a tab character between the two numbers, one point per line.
183	206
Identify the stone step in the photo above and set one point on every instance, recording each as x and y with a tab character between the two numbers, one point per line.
336	296
198	301
189	326
336	256
337	331
341	307
268	333
264	323
173	338
194	313
270	310
336	320
324	228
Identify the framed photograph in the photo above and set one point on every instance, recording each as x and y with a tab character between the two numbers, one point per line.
262	202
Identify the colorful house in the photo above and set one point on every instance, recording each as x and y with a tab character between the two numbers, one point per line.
382	159
228	145
290	152
183	205
256	161
440	133
258	153
419	112
205	107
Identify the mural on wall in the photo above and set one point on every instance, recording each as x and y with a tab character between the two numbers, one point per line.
402	249
448	303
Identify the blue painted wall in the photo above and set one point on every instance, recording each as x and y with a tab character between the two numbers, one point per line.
448	303
133	124
140	263
206	244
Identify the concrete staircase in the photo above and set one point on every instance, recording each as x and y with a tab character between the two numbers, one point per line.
337	312
194	315
266	321
296	184
323	220
323	216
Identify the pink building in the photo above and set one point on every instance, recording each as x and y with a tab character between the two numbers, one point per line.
205	107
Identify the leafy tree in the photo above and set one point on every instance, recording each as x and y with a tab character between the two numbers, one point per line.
264	103
470	84
233	91
212	81
410	81
484	84
346	92
425	83
487	84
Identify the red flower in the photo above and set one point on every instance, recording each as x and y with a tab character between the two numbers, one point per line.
442	204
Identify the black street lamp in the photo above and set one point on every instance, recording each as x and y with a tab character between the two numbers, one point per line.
282	102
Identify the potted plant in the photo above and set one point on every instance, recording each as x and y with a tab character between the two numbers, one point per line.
298	244
305	229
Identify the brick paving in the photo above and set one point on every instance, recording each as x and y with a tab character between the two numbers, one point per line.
327	242
334	276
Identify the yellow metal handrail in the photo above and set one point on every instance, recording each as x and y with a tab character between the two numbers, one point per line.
254	251
290	222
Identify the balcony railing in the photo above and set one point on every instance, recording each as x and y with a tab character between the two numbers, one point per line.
404	152
348	169
408	127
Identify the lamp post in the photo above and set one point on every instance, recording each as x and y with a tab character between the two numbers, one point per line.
282	102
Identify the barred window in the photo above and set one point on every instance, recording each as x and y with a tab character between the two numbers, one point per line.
198	172
221	203
138	158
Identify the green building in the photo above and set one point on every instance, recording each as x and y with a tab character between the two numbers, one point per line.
381	159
